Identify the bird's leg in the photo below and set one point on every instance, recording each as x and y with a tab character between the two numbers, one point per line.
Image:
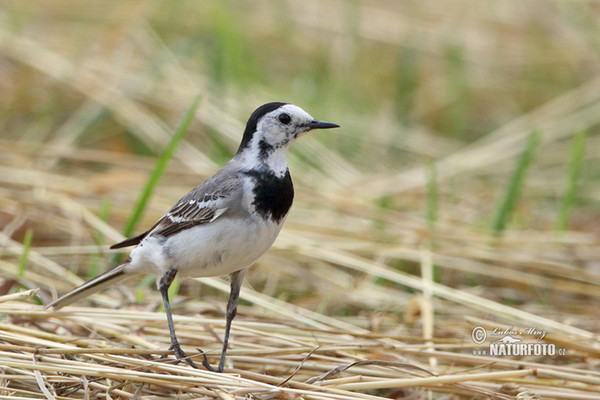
236	280
163	286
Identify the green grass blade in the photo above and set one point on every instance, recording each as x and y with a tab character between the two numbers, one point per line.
407	81
568	200
23	264
513	189
432	215
456	115
173	290
23	260
140	288
159	169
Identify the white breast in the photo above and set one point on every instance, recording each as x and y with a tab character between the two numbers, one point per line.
217	248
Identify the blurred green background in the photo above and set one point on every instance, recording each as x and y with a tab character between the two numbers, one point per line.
409	81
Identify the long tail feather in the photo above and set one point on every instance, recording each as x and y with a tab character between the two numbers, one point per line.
105	280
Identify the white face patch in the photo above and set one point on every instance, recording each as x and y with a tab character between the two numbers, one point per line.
275	132
281	127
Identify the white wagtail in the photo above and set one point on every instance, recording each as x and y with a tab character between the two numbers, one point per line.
224	224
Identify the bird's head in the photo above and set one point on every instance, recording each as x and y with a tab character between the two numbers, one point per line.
272	127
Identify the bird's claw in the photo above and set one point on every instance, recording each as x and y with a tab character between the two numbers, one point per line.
206	364
180	355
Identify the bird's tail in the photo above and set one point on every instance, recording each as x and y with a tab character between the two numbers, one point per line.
105	280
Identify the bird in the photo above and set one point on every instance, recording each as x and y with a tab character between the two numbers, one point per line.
223	225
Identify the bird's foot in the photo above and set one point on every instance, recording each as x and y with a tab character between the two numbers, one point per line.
206	364
180	355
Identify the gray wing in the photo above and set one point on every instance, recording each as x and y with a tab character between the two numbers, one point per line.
203	204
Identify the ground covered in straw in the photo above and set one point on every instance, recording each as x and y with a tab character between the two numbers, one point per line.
451	222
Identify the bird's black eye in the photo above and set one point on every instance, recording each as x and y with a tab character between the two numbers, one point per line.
285	119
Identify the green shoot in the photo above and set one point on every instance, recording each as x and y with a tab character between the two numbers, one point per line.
568	200
23	260
23	264
159	169
456	115
140	289
432	213
513	189
173	289
432	196
407	81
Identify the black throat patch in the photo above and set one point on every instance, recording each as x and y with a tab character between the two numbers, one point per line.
273	196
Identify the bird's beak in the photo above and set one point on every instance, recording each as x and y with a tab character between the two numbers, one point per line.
316	124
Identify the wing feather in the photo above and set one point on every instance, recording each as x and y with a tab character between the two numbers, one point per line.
204	204
186	217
